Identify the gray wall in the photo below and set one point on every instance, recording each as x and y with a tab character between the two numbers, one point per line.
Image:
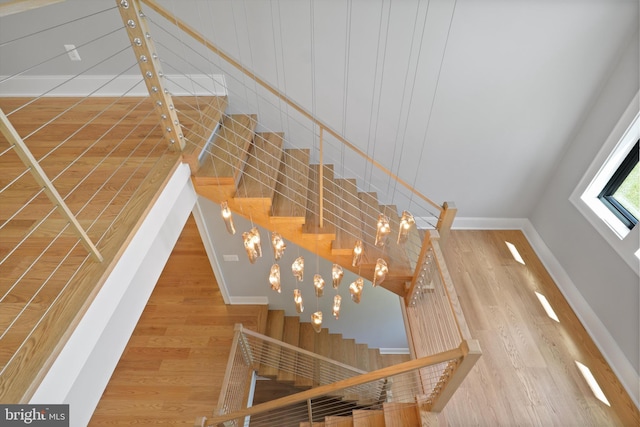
376	320
607	283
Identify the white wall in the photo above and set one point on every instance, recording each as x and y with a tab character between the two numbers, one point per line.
610	288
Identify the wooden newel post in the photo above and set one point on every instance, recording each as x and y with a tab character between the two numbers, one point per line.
472	352
445	221
145	51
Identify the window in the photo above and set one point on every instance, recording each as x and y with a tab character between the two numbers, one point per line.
609	193
621	195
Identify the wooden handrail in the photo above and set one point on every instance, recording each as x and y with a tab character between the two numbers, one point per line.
324	127
322	390
447	282
15	140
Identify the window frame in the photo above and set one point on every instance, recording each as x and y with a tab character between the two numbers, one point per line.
585	198
606	196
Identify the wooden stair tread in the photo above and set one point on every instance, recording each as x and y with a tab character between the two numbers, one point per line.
368	418
306	341
201	130
362	357
312	216
398	414
275	329
393	251
229	150
290	335
338	421
349	220
290	199
261	170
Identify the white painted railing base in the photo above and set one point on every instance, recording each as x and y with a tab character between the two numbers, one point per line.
81	372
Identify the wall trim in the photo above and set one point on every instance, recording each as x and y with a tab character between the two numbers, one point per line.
103	85
209	248
624	370
249	300
394	351
83	368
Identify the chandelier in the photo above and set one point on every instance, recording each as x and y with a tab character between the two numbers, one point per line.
251	241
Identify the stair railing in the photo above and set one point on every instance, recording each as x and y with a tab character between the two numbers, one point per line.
435	322
336	388
444	214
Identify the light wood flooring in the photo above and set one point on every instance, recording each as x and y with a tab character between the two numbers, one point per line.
172	368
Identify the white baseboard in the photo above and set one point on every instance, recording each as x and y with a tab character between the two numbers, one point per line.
99	85
249	300
601	336
394	351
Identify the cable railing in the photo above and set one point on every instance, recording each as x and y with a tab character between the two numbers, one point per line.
79	173
102	159
333	209
336	389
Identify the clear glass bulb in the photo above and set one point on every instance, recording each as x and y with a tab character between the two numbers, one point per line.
227	217
316	321
297	299
406	222
278	245
383	230
336	306
355	289
318	284
358	249
380	272
336	275
297	268
274	278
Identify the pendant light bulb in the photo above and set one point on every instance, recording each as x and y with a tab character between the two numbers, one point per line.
277	242
355	289
227	217
318	284
406	222
316	321
336	275
297	299
380	272
358	249
274	278
251	241
336	306
383	230
297	268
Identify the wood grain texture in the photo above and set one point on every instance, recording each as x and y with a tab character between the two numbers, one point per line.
109	176
175	361
527	374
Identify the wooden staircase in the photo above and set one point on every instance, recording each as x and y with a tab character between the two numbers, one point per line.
278	189
352	411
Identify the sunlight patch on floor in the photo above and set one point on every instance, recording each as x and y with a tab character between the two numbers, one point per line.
547	307
514	252
593	384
